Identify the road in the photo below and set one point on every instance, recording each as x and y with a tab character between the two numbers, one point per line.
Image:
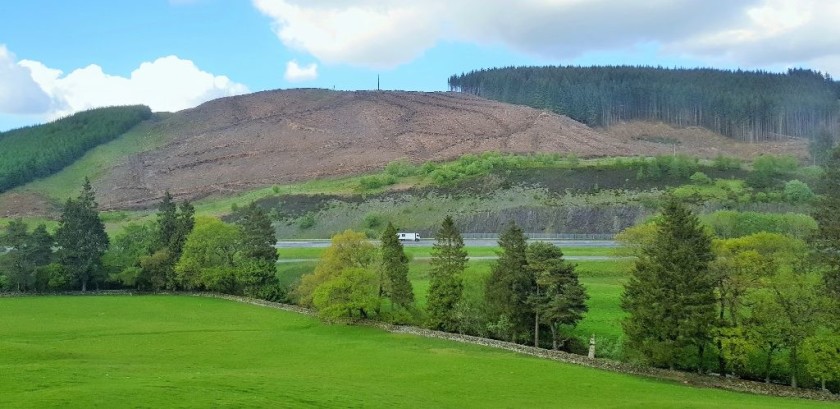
469	243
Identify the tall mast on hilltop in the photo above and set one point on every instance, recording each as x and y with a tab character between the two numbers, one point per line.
377	82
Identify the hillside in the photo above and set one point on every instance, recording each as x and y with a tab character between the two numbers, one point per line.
236	144
744	105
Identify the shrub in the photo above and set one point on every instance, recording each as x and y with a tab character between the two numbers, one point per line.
307	221
372	221
700	178
401	168
726	163
797	192
730	224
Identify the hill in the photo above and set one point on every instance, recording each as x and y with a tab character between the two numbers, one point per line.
237	144
744	105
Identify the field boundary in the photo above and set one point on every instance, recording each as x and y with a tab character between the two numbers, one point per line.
685	378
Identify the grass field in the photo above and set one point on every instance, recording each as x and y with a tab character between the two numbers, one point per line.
167	351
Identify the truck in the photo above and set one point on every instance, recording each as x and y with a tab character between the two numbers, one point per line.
408	236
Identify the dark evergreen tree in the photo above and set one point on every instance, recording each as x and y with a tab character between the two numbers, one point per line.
394	269
558	299
510	284
15	264
826	240
449	259
174	224
81	238
670	297
257	255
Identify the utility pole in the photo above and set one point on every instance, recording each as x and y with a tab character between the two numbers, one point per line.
377	82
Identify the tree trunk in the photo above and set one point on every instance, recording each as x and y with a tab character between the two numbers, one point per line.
554	337
84	285
793	367
536	330
767	365
700	349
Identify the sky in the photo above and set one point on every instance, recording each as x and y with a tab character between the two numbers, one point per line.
60	57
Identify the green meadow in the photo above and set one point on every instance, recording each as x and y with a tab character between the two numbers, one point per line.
179	351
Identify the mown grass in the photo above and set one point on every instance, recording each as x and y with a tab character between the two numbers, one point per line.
603	281
167	351
426	251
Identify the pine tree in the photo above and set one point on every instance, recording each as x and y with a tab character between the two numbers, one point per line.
394	269
826	240
17	266
81	238
257	253
670	297
558	299
511	282
449	259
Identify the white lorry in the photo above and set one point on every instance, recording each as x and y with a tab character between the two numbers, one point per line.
408	236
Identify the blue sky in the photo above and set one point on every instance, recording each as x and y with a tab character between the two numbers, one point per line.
59	57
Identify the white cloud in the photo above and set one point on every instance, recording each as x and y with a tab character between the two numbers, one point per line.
19	92
387	33
296	73
165	84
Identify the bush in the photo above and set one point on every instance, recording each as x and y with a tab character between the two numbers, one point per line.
307	221
798	192
730	224
768	169
726	163
401	168
372	221
700	178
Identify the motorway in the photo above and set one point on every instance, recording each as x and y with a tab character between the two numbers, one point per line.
468	243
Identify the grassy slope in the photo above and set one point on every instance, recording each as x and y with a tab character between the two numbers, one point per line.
194	352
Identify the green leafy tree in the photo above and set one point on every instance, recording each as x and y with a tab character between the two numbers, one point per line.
558	298
351	293
394	268
820	147
670	297
822	357
449	259
124	255
511	283
81	238
792	305
257	257
348	249
209	258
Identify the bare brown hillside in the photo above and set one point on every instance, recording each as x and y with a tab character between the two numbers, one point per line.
239	143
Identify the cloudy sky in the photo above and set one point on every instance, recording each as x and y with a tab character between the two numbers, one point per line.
59	57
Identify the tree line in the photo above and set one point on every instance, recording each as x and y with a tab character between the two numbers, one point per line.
37	151
745	105
175	252
530	288
762	306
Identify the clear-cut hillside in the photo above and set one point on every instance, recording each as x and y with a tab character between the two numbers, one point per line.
239	143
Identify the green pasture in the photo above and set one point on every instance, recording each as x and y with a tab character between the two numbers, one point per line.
168	351
298	253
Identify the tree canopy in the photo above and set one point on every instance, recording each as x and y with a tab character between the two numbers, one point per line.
745	105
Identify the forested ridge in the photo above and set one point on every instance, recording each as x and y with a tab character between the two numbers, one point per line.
36	151
745	105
